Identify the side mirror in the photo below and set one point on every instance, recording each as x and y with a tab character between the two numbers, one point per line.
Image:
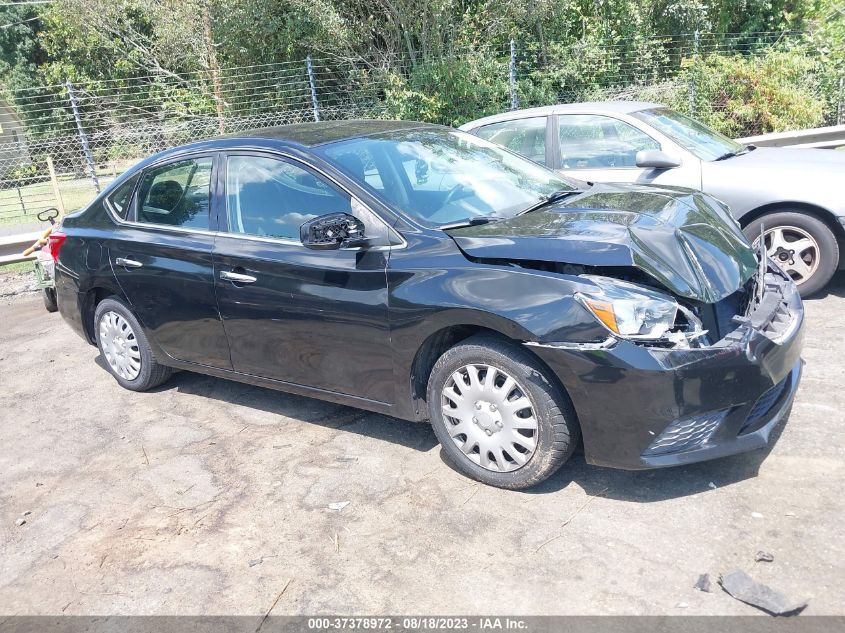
655	159
333	231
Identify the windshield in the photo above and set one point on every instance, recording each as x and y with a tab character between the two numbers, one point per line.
699	139
441	176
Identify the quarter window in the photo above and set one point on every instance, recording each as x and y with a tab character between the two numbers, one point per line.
269	197
177	194
526	137
590	141
122	197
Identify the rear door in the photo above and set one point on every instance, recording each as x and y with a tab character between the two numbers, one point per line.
527	137
161	254
316	318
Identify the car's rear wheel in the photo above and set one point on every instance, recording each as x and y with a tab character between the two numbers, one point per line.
499	418
125	348
49	297
802	245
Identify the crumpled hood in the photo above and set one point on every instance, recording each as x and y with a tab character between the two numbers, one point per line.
679	237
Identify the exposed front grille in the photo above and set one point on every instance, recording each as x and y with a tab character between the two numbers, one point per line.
718	318
764	404
684	435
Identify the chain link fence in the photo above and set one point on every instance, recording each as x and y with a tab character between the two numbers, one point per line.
61	144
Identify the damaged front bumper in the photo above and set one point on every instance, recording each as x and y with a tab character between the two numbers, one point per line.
643	406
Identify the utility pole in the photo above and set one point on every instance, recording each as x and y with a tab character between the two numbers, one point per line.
83	139
213	68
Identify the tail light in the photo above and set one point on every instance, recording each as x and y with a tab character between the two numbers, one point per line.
54	243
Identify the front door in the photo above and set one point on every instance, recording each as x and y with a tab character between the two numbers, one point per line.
600	148
161	254
316	318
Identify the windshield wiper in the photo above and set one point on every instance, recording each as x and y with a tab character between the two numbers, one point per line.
477	220
557	196
744	150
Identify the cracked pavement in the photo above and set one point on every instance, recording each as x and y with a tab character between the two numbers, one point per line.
208	496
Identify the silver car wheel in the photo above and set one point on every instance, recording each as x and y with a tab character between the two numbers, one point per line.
794	250
119	345
489	417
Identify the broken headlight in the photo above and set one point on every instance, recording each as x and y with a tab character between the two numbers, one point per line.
629	310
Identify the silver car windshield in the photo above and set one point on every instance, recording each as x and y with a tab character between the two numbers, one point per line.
703	142
441	176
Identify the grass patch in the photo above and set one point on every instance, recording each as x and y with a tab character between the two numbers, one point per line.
18	267
75	192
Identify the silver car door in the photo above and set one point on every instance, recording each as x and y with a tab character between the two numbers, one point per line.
601	148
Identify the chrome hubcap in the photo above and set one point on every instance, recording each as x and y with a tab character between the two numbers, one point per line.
794	250
489	417
119	345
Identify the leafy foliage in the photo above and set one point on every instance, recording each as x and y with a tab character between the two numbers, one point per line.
747	96
435	60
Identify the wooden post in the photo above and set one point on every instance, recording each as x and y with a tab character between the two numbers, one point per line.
59	204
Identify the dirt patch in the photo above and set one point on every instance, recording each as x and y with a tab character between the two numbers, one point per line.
17	284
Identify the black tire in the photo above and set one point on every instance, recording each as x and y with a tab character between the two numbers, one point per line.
49	296
151	373
557	432
828	247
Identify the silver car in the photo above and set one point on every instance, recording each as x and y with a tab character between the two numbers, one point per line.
793	196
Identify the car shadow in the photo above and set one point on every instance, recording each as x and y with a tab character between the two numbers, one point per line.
647	486
621	485
834	288
382	427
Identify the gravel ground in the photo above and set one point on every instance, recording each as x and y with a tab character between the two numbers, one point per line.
17	285
208	496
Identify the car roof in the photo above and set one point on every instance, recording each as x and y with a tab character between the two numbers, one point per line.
586	107
320	133
297	135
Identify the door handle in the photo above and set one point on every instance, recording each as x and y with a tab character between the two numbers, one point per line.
237	278
127	263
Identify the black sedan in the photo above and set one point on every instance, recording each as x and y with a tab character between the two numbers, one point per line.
424	273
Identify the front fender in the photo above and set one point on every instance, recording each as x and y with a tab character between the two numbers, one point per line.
523	305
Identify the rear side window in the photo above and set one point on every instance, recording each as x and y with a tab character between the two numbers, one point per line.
122	197
526	137
177	194
270	197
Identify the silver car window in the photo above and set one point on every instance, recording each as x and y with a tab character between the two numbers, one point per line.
590	141
526	137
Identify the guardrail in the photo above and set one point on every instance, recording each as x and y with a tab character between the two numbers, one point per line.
11	246
829	137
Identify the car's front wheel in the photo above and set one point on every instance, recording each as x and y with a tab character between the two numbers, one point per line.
802	245
499	418
125	348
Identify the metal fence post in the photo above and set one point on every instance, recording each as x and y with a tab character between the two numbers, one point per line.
83	139
512	77
692	85
313	84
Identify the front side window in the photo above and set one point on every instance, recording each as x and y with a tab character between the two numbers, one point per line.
589	141
700	140
122	197
177	194
439	176
271	197
526	137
